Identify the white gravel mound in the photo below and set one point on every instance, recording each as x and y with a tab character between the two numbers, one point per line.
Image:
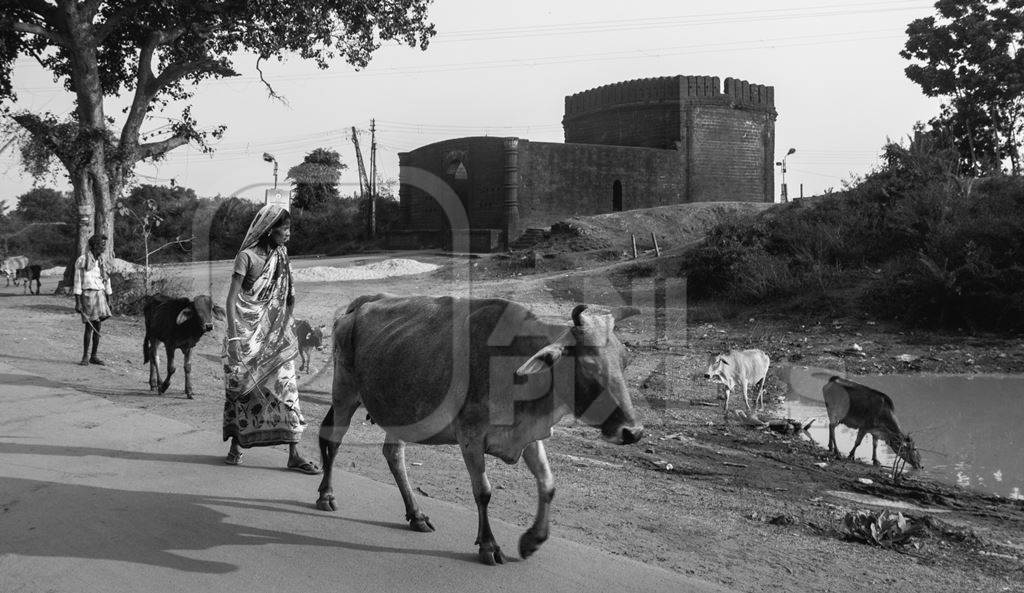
54	271
374	271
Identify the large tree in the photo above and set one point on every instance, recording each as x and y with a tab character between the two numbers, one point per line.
316	178
155	52
970	53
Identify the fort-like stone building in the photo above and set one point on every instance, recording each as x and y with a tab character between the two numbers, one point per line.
635	144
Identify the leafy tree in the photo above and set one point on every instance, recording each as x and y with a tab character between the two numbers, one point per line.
316	179
971	53
43	204
156	221
155	52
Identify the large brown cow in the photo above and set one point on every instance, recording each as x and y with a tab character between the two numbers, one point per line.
869	411
484	374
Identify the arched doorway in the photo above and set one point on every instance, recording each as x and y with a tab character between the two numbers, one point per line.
617	196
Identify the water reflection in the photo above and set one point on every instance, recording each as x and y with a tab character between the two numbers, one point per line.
968	427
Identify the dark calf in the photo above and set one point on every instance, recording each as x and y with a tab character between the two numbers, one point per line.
309	337
178	323
868	410
29	274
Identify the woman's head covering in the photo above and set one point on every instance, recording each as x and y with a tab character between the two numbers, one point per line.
265	220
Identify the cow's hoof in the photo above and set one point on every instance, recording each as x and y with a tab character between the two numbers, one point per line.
162	389
421	523
189	396
529	542
326	503
490	554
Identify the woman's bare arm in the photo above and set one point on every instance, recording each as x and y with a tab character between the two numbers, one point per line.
235	288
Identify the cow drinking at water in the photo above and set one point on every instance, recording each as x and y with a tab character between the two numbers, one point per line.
868	410
178	323
485	374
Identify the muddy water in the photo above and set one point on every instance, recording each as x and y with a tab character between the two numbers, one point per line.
970	429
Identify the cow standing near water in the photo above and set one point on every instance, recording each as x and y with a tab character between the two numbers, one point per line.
739	368
868	410
482	373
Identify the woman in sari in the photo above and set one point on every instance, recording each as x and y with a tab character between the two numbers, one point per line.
262	405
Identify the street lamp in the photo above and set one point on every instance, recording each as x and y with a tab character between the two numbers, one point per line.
782	163
269	159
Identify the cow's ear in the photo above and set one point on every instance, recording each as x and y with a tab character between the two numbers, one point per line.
542	360
184	316
219	312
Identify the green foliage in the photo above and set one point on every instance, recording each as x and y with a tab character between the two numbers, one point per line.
316	179
938	250
886	528
970	53
40	226
165	214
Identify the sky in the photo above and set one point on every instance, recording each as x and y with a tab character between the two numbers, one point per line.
504	69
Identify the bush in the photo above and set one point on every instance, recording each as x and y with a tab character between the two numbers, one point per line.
950	250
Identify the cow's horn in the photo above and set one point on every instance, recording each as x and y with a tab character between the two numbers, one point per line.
576	311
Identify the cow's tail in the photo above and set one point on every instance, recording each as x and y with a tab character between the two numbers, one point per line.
146	347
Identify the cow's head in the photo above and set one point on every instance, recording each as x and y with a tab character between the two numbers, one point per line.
316	335
601	396
904	447
203	311
718	369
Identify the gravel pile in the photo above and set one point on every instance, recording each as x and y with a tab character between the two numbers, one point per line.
374	271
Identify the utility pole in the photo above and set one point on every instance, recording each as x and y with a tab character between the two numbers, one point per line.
373	179
364	185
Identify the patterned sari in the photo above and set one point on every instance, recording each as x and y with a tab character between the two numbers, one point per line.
262	397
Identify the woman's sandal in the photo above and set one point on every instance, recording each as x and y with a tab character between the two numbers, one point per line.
233	458
306	467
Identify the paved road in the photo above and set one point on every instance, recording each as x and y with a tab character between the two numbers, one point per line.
99	497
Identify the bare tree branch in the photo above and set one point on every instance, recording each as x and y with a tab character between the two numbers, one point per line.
270	90
175	72
143	94
33	29
155	149
174	242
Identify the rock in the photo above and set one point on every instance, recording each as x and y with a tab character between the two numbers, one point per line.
866	481
907	358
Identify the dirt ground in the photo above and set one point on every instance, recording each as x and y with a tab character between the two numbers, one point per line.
743	507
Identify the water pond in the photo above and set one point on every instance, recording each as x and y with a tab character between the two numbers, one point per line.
969	428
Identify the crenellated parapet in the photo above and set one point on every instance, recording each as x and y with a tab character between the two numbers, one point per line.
641	90
756	96
671	89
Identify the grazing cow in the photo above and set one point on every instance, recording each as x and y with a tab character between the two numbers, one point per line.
867	410
10	266
309	337
29	274
739	367
482	373
178	323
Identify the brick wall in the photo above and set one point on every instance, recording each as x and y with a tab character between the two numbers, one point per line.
481	191
730	153
560	180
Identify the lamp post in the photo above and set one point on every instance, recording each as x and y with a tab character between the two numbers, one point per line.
782	163
269	159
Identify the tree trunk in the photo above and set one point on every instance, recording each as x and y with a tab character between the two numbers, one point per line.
82	185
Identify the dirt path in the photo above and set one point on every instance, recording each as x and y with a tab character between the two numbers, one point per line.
746	508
